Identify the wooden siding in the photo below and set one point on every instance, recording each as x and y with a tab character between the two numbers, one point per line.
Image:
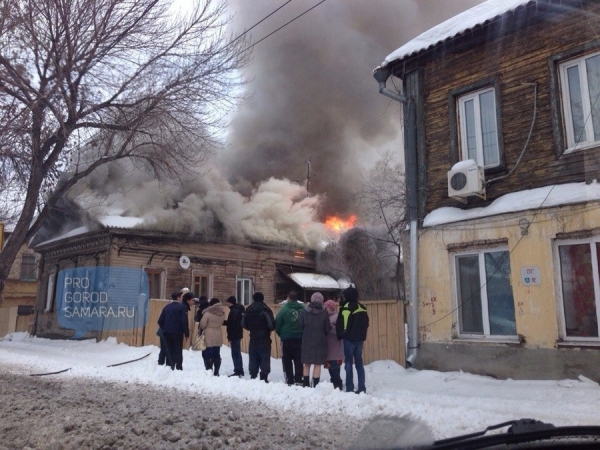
521	55
385	337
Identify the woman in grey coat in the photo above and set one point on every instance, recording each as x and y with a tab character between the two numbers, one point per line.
315	325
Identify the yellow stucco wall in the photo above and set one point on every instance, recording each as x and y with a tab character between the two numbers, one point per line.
537	308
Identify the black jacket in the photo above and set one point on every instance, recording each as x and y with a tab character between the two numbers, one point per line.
259	320
234	322
174	320
352	322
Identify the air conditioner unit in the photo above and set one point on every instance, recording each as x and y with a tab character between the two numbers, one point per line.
466	179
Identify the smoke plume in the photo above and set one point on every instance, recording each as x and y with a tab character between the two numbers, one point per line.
313	98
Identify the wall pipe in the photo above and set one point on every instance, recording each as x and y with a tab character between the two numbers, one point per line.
410	159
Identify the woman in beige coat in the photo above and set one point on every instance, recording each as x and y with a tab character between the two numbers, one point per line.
210	324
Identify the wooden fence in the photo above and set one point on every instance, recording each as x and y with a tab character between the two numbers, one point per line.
385	337
11	322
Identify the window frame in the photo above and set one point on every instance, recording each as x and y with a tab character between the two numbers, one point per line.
32	262
454	99
560	297
565	102
486	334
209	284
240	297
162	274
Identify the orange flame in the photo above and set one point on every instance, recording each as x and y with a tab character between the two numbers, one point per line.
339	224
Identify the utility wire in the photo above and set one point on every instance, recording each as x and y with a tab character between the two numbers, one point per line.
285	24
258	23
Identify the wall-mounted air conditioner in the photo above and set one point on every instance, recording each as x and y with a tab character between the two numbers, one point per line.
466	179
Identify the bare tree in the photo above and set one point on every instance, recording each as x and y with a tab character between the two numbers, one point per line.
371	253
382	201
87	82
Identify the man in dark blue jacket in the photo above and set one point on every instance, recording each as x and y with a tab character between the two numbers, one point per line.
259	320
351	326
235	332
174	324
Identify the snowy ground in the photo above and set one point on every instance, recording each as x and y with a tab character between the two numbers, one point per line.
143	405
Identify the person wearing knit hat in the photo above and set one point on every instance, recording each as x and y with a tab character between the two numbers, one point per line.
351	326
315	325
335	348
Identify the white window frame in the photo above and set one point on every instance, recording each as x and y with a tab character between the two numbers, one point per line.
210	282
572	145
464	149
483	292
596	282
251	289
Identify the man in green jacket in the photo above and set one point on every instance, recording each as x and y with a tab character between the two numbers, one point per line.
287	327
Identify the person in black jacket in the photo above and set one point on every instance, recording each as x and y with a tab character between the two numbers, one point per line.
259	320
173	322
351	326
235	333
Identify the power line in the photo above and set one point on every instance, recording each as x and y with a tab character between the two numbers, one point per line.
286	24
258	23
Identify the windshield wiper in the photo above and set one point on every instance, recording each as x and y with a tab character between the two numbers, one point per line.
522	431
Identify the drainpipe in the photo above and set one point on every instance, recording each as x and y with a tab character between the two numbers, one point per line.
410	159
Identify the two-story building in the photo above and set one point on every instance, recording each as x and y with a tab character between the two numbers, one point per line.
502	149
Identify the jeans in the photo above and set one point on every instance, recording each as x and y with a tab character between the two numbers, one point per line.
259	357
236	356
353	351
334	374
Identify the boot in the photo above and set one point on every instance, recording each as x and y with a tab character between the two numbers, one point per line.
306	381
316	381
252	377
264	376
217	367
337	384
208	363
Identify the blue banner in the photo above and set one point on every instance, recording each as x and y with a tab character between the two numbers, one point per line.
101	298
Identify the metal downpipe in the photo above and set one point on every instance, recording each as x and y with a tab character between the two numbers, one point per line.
410	158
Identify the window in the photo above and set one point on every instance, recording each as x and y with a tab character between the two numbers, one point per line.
478	127
580	85
244	290
28	268
201	286
486	305
580	288
155	279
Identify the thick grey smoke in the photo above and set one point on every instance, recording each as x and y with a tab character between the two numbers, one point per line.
314	94
313	97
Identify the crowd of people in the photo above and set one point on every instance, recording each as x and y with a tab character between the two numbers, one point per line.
312	335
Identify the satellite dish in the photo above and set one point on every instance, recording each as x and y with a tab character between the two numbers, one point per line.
184	262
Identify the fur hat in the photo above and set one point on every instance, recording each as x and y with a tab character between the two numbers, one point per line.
187	296
258	297
232	300
185	290
317	297
330	305
350	294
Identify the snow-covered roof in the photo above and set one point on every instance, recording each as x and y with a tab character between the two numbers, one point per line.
120	221
530	199
314	281
476	16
